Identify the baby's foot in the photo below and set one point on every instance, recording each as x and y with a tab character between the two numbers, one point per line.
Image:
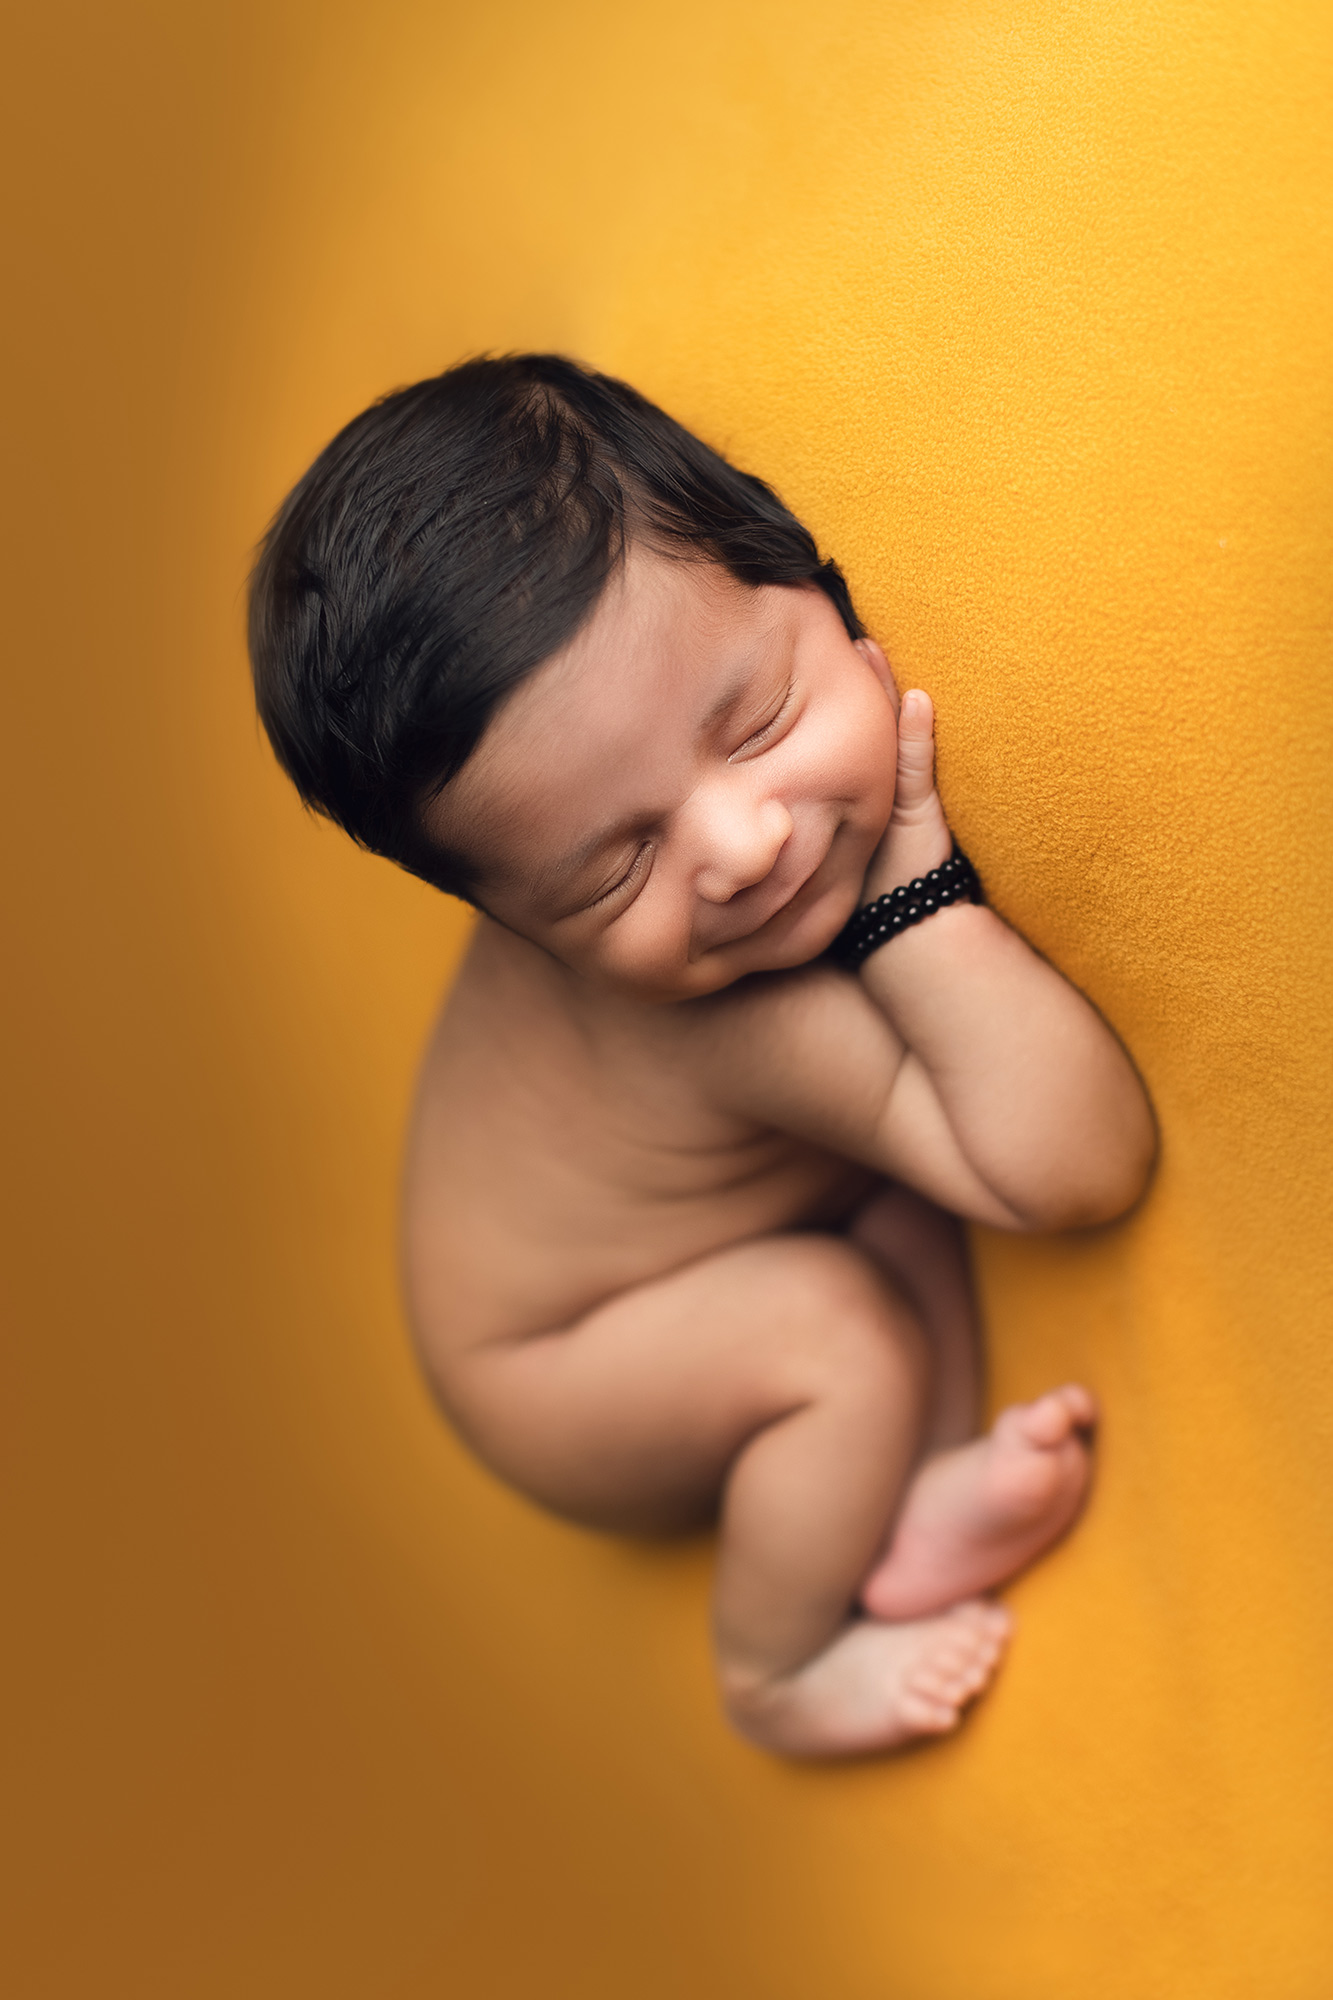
975	1516
877	1687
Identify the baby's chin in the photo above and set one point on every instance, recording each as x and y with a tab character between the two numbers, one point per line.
781	947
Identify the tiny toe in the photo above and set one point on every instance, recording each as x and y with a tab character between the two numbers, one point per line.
982	1615
948	1659
1047	1422
930	1717
933	1669
957	1671
1081	1403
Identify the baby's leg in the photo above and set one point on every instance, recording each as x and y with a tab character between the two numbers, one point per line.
923	1250
783	1378
976	1514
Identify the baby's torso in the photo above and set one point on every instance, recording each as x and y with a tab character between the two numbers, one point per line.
565	1148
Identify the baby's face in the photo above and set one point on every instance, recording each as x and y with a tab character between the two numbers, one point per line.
687	792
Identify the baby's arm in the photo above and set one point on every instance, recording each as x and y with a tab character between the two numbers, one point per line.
956	1059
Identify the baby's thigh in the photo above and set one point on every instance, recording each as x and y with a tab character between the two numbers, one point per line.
631	1417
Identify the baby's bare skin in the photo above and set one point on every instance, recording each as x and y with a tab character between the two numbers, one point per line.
663	1254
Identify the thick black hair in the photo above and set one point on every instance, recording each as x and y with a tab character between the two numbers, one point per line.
449	540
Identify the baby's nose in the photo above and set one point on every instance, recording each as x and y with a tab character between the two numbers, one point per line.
742	839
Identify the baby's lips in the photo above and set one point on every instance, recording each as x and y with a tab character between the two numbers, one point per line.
752	929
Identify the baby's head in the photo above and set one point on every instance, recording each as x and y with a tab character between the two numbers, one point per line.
522	633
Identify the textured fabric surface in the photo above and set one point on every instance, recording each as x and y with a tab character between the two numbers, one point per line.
1025	307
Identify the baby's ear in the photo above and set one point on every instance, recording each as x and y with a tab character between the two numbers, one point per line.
873	654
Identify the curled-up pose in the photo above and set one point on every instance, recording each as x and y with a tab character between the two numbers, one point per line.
735	1043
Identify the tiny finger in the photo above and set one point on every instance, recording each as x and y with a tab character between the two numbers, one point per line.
916	748
918	712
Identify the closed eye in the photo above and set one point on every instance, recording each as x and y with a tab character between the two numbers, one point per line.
770	731
631	876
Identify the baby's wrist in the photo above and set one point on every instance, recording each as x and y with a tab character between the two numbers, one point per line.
900	909
905	853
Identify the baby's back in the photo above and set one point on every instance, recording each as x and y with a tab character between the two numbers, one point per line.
567	1145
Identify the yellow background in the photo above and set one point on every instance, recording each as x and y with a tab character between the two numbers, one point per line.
1025	305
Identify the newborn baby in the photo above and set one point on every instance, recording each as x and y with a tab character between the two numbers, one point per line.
676	1234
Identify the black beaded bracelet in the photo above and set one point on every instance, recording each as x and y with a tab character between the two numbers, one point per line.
954	881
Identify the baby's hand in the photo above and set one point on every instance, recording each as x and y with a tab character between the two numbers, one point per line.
917	836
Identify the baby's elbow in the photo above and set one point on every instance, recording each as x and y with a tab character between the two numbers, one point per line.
1130	1162
1103	1185
1089	1207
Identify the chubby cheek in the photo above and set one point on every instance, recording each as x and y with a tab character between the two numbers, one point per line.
648	951
868	754
847	738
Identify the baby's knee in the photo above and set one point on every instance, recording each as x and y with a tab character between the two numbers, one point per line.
861	1333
